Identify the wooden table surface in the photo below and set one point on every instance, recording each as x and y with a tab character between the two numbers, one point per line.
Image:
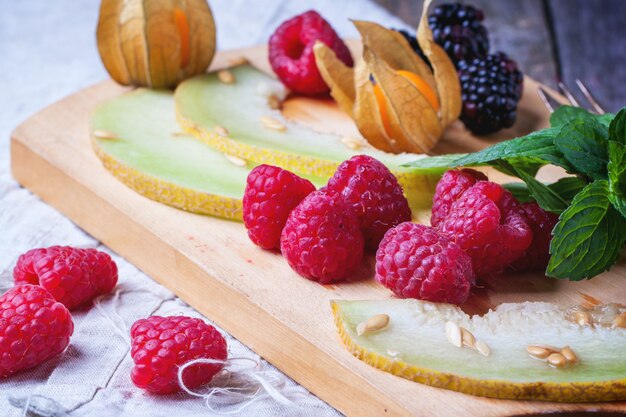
553	39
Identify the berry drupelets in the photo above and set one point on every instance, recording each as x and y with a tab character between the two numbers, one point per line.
291	52
491	88
33	328
160	345
74	276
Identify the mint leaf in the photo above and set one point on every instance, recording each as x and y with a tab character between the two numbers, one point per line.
617	176
588	237
565	114
605	119
617	128
566	188
435	163
583	142
539	145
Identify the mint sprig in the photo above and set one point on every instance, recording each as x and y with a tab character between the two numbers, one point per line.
591	203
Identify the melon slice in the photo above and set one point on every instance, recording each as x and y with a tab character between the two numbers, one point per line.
205	106
414	345
138	140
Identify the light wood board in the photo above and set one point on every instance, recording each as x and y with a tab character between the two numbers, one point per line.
253	294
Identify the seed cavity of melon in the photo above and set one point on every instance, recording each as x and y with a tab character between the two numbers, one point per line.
526	350
249	111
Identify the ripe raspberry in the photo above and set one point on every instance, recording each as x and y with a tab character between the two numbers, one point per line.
542	223
73	276
291	52
271	193
322	240
449	188
33	328
374	194
160	345
487	223
417	261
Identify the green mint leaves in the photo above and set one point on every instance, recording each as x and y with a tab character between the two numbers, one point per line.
588	237
591	203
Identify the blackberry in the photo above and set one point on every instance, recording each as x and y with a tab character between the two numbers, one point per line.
413	42
457	28
491	88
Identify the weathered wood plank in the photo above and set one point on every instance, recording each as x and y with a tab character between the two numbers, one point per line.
515	27
591	37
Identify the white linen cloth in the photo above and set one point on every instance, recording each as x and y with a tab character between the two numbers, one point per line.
48	51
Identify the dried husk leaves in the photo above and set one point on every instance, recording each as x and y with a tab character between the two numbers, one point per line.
413	124
337	75
448	86
155	43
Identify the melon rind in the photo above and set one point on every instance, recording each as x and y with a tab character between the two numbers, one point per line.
152	157
204	103
417	332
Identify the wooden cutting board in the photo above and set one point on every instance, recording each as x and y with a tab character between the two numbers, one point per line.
253	294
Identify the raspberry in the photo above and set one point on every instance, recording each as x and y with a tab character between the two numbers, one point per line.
417	261
374	194
322	240
73	276
160	345
271	193
486	221
291	52
33	328
542	223
449	189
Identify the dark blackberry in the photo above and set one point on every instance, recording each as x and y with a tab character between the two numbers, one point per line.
413	42
458	29
491	88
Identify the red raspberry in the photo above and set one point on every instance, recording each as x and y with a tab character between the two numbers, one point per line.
73	276
291	52
487	223
322	240
538	254
271	193
160	345
33	328
417	261
374	194
449	188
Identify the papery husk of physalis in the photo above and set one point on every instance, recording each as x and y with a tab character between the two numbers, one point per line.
415	125
337	75
447	81
366	112
155	43
393	48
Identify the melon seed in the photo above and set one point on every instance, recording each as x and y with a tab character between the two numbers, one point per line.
538	352
235	160
374	323
620	321
582	318
221	130
454	335
482	348
105	134
273	124
240	60
468	338
569	354
273	102
226	77
557	360
351	143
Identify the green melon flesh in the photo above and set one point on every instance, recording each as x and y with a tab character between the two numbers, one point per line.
152	156
414	345
203	103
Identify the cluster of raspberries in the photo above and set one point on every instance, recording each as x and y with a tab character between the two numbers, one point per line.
323	233
477	230
36	323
